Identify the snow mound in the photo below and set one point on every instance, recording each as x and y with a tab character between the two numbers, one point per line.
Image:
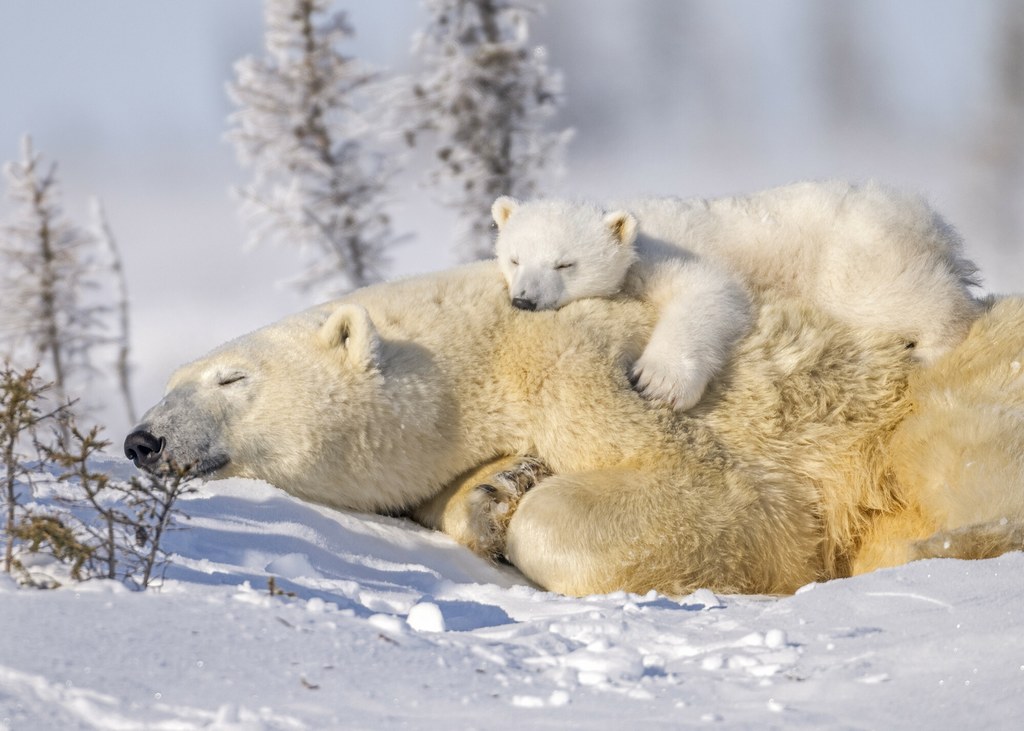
378	623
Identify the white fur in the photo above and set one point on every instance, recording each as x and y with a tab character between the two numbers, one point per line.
866	255
869	256
801	467
555	252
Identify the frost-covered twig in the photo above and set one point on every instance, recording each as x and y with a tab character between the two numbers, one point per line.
156	512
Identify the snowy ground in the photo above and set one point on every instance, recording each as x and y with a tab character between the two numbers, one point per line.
393	626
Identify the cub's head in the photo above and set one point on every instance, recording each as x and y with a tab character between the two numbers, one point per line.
554	252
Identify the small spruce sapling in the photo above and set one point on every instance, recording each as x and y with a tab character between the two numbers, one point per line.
124	524
50	534
19	417
105	521
104	528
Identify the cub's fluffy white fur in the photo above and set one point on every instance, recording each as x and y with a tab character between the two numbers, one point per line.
867	255
554	252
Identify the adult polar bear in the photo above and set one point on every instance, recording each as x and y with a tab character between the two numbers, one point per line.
801	464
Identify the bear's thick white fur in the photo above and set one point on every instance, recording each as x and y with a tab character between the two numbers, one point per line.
803	462
870	256
553	252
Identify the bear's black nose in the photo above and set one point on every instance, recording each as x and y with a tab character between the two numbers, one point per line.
521	303
143	448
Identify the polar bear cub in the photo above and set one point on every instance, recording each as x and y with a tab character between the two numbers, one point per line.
554	252
870	257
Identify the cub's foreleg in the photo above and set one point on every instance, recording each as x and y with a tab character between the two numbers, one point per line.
703	311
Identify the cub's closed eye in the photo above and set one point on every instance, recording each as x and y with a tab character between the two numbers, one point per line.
565	265
230	378
514	261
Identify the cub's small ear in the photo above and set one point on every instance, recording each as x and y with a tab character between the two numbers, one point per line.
502	208
350	330
623	226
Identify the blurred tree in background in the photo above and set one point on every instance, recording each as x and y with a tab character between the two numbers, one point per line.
49	273
60	287
299	126
483	99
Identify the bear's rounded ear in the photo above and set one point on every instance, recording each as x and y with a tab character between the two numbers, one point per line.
623	226
350	330
502	208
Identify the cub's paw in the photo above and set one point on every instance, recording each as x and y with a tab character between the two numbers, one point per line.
677	382
493	503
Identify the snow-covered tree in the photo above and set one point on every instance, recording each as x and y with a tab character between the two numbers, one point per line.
316	183
486	95
46	314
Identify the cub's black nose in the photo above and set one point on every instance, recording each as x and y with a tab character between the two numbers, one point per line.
521	303
143	448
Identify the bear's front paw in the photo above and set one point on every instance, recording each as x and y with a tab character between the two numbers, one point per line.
676	382
493	503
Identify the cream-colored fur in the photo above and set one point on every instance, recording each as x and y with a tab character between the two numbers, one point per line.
958	457
388	400
553	252
872	257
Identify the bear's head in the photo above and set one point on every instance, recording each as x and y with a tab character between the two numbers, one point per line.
267	406
554	252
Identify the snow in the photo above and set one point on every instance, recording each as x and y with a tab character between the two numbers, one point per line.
378	623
